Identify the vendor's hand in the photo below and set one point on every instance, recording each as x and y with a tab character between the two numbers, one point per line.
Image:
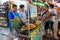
19	21
12	20
24	22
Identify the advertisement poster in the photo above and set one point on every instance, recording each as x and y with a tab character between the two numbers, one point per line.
33	10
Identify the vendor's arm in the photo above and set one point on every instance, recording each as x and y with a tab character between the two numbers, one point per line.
21	19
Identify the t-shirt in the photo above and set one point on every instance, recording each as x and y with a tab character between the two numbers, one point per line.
11	16
45	14
52	11
22	16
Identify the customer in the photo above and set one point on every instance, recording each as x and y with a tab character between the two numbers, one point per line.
13	17
53	19
53	14
22	15
45	17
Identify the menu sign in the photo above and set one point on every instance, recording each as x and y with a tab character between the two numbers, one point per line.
33	11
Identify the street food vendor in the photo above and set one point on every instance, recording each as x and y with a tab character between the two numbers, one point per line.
22	15
13	17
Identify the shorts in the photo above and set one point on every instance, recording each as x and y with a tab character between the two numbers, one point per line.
49	25
59	25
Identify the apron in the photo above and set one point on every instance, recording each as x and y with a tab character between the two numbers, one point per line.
15	24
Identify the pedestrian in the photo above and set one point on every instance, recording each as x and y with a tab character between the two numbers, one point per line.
53	20
45	17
